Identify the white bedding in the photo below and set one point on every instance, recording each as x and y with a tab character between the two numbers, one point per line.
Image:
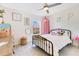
58	41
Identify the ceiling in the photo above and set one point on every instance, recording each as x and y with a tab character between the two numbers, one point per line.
33	8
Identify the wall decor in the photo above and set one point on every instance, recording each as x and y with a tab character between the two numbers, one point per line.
27	30
70	15
26	21
1	13
35	26
58	19
16	16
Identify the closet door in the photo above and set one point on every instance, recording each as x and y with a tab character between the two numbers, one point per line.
45	26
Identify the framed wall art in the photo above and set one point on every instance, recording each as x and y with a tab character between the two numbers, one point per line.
27	30
26	21
16	16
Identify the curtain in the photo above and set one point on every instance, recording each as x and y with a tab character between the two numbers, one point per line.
45	26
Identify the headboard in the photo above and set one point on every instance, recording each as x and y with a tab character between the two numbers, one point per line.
65	30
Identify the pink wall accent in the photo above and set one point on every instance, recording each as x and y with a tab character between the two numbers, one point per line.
45	26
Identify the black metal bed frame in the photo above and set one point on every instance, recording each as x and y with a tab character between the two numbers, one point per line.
45	44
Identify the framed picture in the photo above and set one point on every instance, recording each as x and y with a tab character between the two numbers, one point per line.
26	21
27	30
16	16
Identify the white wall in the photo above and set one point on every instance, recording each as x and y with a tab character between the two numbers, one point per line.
18	27
68	19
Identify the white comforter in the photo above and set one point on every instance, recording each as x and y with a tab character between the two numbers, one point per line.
58	41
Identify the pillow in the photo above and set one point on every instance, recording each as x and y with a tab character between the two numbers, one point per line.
58	32
53	33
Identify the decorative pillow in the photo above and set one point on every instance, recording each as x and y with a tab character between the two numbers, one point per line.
53	33
58	32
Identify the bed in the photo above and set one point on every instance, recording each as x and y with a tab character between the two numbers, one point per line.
53	42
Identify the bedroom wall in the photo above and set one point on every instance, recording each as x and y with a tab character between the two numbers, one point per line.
18	27
68	19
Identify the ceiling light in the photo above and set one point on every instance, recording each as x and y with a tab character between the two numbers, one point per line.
46	8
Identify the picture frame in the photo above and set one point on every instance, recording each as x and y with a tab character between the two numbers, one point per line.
27	30
16	16
26	21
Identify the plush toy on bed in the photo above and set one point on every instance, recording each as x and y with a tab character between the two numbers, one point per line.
61	32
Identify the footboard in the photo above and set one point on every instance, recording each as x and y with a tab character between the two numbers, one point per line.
43	43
